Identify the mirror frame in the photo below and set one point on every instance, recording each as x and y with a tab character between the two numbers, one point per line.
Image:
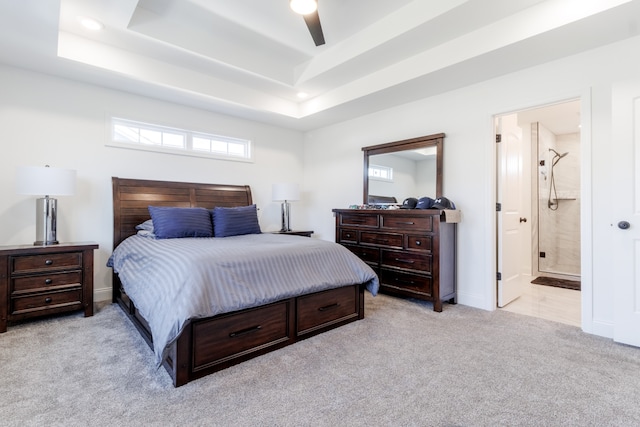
436	140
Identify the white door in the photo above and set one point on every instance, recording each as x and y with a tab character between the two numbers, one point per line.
510	219
625	220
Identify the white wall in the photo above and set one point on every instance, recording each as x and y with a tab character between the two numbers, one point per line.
47	120
333	161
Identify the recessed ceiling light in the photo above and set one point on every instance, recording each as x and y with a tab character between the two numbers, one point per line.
302	95
303	7
90	23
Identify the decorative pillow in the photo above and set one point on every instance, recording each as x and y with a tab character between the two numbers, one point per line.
173	222
235	221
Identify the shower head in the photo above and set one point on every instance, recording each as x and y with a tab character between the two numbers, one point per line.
558	154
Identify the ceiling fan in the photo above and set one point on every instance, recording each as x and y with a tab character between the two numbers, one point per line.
309	11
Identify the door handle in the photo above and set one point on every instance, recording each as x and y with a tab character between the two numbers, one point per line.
624	225
523	219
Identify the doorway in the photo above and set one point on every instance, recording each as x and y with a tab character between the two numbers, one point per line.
544	278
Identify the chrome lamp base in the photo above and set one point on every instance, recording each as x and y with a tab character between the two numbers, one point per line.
46	221
284	207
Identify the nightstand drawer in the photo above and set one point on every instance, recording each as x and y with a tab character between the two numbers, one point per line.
46	262
46	300
46	282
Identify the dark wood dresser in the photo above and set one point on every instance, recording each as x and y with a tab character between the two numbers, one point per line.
42	280
413	251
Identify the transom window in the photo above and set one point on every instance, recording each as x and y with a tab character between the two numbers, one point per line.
381	173
146	136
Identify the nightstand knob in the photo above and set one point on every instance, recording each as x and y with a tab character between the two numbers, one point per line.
48	300
48	262
418	242
48	281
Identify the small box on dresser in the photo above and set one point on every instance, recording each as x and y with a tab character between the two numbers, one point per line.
412	250
38	281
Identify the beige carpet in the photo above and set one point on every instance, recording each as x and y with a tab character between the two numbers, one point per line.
403	365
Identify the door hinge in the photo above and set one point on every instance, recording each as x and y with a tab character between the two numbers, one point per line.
498	137
498	207
499	276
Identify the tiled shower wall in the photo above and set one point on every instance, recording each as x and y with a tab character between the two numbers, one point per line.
559	230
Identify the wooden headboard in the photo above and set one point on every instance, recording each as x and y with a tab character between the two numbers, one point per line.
132	197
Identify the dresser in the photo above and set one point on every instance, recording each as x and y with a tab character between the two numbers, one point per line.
43	280
413	251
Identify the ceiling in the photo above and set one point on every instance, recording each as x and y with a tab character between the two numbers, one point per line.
250	58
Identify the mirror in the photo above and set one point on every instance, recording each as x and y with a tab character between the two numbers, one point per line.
401	169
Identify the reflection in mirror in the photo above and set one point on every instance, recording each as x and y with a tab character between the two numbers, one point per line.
402	169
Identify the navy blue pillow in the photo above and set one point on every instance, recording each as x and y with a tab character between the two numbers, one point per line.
172	222
235	221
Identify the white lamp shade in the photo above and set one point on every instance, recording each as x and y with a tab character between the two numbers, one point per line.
45	181
285	191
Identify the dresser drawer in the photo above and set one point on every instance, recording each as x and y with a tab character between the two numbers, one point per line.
409	260
324	308
422	223
420	242
370	255
407	281
234	335
46	262
45	301
348	235
46	282
381	239
359	220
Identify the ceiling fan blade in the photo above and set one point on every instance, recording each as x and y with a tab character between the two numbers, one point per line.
313	23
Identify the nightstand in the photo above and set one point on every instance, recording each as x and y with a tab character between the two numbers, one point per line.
306	233
42	280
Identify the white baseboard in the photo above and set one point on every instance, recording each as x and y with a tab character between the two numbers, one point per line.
102	294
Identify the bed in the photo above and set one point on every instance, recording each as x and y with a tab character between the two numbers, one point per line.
205	333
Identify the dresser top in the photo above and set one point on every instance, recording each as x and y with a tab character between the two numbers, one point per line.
446	215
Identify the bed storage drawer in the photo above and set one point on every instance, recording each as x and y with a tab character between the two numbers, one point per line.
326	308
226	337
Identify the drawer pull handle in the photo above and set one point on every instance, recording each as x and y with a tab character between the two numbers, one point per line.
48	262
245	331
348	235
48	300
48	281
411	282
406	261
329	307
418	242
406	222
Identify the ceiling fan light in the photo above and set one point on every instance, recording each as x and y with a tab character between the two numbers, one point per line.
303	7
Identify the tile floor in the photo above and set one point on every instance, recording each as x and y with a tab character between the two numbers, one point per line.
547	302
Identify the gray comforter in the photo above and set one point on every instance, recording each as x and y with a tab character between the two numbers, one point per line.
174	280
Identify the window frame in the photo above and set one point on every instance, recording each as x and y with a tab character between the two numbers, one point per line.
188	147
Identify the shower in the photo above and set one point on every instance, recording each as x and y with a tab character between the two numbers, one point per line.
552	183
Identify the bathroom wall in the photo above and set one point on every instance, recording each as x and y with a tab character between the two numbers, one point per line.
559	230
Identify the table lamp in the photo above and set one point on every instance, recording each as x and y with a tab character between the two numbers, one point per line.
47	181
285	192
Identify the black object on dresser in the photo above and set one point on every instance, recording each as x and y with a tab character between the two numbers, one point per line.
42	280
412	251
